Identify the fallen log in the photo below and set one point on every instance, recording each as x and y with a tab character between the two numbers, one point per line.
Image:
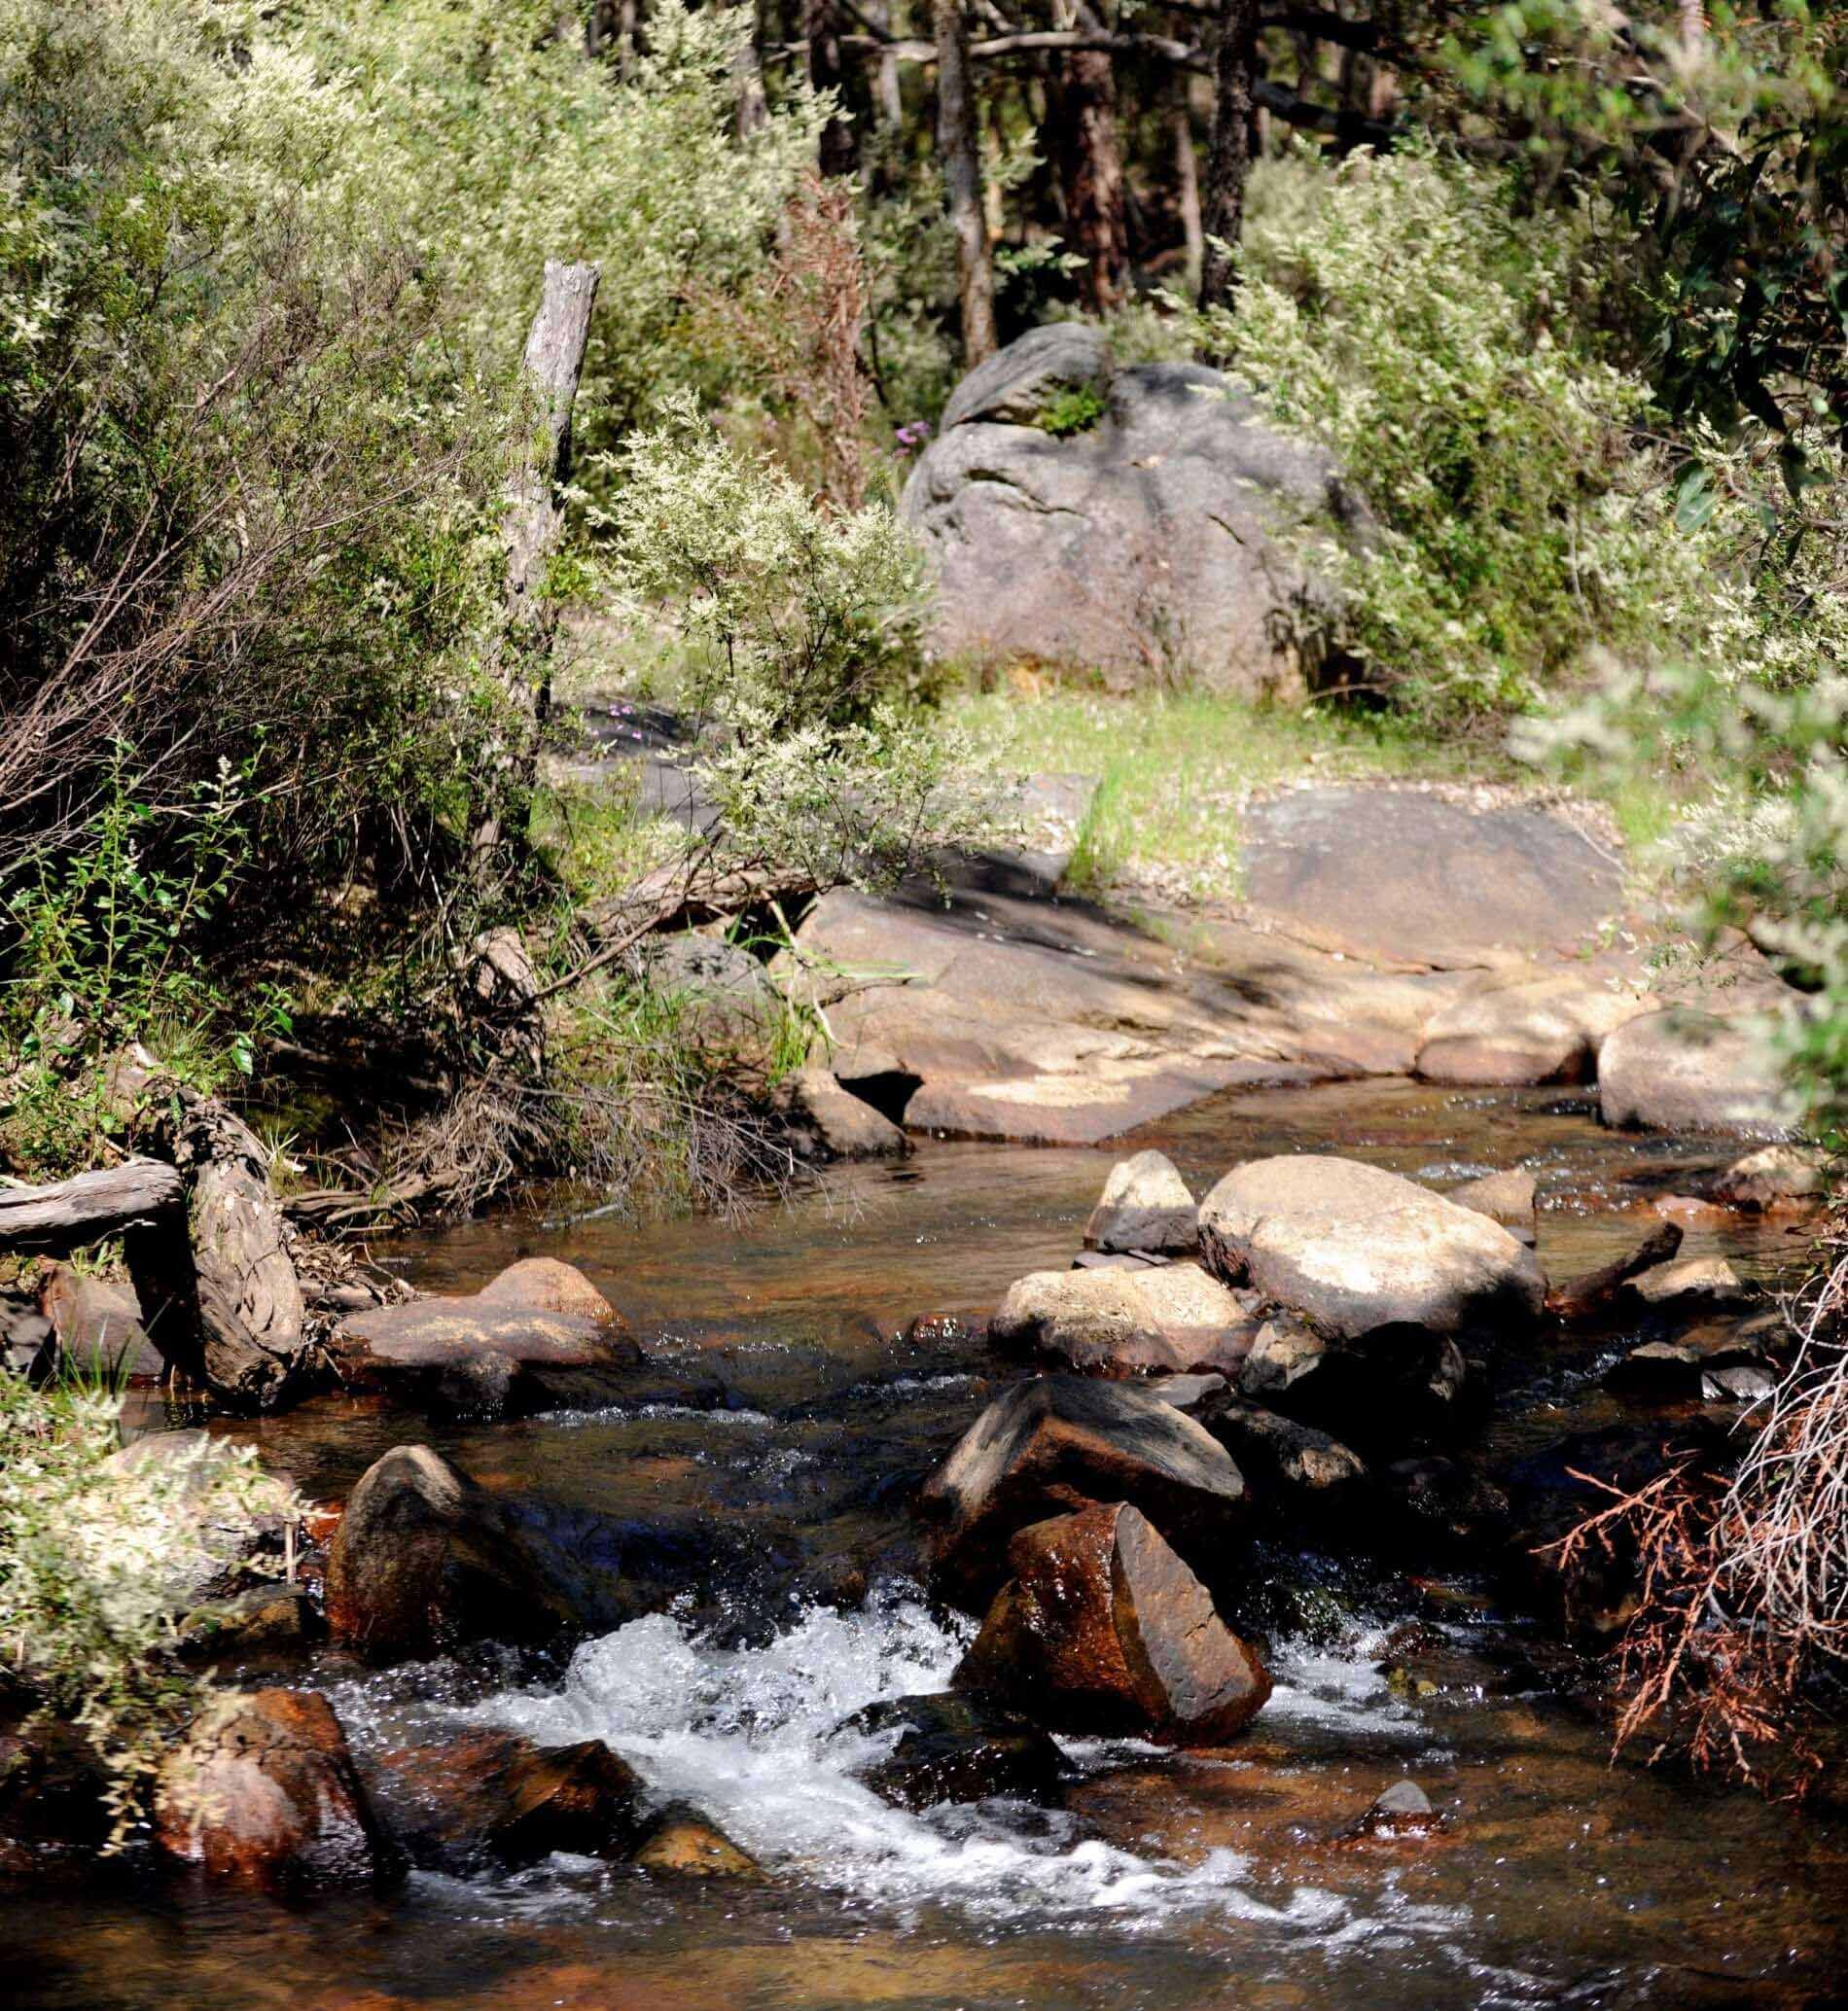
1584	1297
53	1221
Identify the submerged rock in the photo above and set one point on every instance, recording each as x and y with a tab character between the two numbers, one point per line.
1145	1206
538	1336
1776	1176
1683	1070
1059	1443
957	1748
684	1844
492	1795
1358	1249
423	1559
1160	1320
1103	1629
262	1790
1508	1198
1294	1461
1404	1810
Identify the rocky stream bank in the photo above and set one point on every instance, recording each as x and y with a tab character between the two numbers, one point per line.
994	1541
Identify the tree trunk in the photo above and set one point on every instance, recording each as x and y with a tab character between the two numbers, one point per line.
1092	169
535	517
1228	150
837	153
962	181
1186	183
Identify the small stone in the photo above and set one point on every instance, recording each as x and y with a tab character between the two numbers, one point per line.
546	1285
1661	1370
1294	1458
1286	1350
1190	1393
685	1844
1690	1283
1778	1177
1146	1206
1404	1810
1742	1384
1508	1198
1171	1320
844	1125
1595	1292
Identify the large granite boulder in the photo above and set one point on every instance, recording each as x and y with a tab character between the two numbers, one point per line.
1170	1319
1059	1443
1679	1070
1137	522
1102	1628
1357	1248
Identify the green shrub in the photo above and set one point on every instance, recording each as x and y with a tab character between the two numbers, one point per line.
1073	408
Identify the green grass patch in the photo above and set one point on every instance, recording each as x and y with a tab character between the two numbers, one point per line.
1176	770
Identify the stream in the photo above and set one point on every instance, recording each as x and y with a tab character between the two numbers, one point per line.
747	1525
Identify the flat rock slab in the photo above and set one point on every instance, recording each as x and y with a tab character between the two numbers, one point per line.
1414	874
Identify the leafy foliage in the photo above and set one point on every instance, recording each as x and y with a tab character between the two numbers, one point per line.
101	1558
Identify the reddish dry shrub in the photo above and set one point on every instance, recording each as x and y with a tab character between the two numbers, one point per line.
1741	1577
800	335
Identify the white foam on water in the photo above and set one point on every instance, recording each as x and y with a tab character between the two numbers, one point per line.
747	1735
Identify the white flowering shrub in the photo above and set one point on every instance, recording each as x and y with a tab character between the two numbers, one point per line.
101	1558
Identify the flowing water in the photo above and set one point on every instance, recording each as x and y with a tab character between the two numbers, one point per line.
728	1521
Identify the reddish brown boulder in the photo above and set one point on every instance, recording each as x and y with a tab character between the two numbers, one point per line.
1059	1443
264	1792
1103	1630
538	1335
423	1559
684	1844
485	1794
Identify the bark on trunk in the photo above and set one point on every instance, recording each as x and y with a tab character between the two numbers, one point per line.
1093	170
962	181
53	1221
1228	150
535	517
1187	185
821	26
219	1295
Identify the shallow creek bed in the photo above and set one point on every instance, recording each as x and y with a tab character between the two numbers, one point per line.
747	1551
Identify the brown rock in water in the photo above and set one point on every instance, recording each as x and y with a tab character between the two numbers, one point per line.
1145	1206
1508	1198
1355	1249
546	1285
1059	1443
1404	1810
840	1124
262	1790
485	1354
423	1559
1171	1318
684	1844
485	1794
1688	1284
1536	1026
1103	1630
1596	1292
